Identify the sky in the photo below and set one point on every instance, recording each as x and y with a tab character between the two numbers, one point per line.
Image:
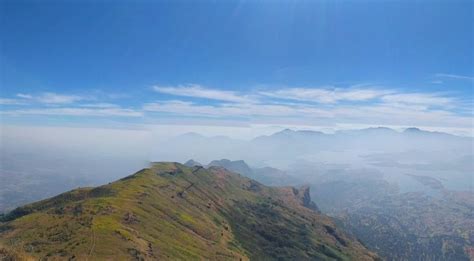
313	64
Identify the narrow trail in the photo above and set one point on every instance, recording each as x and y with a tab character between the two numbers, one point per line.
92	246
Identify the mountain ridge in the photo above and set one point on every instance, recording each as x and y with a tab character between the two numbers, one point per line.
170	211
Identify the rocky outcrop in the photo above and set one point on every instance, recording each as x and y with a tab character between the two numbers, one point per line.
304	197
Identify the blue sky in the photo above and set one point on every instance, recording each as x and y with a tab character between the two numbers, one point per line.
325	63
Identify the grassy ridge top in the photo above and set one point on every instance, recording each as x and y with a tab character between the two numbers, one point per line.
173	212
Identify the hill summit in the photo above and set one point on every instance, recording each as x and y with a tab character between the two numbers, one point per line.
170	211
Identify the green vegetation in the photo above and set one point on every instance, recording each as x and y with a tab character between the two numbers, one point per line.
173	212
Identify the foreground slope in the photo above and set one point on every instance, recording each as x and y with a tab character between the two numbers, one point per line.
170	211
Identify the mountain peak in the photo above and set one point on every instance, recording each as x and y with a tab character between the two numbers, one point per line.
412	130
381	129
192	163
191	135
238	166
284	132
287	132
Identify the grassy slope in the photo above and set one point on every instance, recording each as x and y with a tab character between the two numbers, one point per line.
170	211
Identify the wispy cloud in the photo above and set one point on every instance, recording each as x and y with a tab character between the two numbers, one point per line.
335	96
6	101
51	98
357	104
65	105
368	105
326	94
113	112
99	105
229	109
381	114
419	99
454	76
198	91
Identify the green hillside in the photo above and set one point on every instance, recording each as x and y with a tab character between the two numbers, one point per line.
173	212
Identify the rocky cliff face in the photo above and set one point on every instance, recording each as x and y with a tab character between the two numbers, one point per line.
303	194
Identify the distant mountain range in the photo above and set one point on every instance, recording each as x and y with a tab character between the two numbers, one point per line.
174	212
282	148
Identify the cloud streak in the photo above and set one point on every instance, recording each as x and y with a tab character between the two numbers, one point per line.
419	99
326	95
328	105
51	98
6	101
230	109
108	112
454	76
324	105
198	91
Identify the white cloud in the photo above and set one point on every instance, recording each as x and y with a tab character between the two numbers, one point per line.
52	98
418	98
307	106
326	94
198	91
336	95
99	105
232	109
454	76
6	101
24	96
395	109
77	112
